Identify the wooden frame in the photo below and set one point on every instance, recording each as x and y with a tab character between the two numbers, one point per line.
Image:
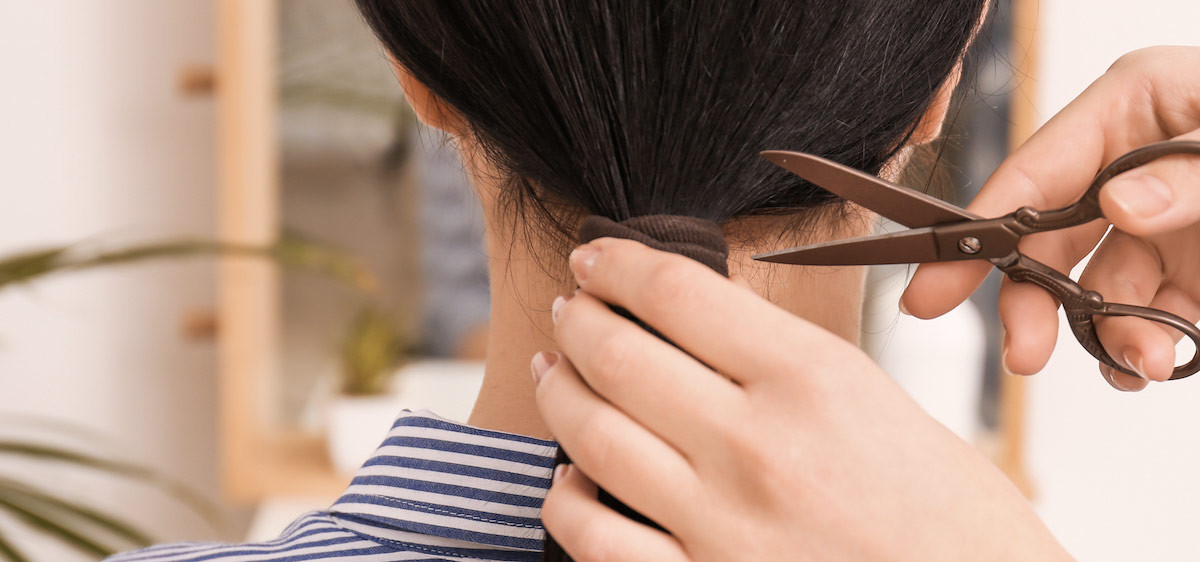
256	458
1011	458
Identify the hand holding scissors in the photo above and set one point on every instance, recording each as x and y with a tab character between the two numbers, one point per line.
942	232
1150	259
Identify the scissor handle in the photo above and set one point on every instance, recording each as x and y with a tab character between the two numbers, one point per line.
1087	208
1082	306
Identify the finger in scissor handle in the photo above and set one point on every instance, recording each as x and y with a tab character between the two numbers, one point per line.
1126	269
1170	321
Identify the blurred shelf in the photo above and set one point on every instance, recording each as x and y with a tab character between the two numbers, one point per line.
293	464
298	464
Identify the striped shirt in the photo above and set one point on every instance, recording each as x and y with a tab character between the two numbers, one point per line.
434	490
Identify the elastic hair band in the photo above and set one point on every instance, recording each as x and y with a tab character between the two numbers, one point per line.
696	238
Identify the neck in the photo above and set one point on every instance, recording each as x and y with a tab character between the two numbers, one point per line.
519	326
522	288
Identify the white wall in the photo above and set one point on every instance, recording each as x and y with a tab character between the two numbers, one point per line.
96	144
1116	473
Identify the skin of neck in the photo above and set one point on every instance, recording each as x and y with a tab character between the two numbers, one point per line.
526	275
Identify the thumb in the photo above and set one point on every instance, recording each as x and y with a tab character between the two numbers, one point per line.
1161	196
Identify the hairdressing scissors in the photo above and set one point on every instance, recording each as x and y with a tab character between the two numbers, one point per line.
943	232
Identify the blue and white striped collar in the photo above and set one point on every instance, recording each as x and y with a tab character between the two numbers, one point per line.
434	483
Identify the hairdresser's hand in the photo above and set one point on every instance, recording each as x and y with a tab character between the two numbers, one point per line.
1147	96
801	448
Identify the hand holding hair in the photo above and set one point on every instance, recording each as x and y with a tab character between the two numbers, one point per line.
1149	259
766	439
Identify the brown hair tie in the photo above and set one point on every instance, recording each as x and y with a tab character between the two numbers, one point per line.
696	238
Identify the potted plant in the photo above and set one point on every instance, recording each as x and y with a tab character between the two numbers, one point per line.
365	405
90	529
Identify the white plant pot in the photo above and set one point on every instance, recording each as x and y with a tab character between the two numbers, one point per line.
357	425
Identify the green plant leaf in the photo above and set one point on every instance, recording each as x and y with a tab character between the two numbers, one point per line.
370	352
29	265
20	492
77	432
9	550
175	489
297	251
290	251
46	524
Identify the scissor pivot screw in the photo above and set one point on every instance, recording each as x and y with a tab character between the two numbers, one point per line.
970	245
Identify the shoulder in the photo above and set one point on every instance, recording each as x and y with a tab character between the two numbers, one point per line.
313	536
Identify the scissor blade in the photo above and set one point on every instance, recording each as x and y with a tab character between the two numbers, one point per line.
908	207
909	246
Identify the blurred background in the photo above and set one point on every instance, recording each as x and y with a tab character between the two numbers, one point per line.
229	255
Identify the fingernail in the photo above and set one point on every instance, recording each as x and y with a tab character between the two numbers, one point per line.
1132	360
1110	375
903	309
1143	196
557	305
542	361
582	259
560	471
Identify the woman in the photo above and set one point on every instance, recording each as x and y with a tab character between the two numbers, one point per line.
621	110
